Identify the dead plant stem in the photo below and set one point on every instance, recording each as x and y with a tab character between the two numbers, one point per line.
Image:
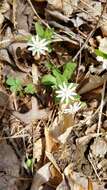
101	107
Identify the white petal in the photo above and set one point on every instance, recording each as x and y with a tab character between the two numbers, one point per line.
62	99
99	58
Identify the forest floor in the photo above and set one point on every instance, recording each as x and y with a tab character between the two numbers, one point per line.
53	95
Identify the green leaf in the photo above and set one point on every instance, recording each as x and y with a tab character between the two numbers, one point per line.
101	53
48	65
15	84
10	81
56	72
49	80
69	68
48	33
39	29
59	77
29	163
30	89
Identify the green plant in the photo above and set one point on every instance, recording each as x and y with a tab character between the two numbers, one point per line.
100	53
57	78
29	163
44	33
30	89
15	84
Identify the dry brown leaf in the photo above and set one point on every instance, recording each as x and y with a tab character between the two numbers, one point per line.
4	6
57	4
75	181
42	176
51	142
61	124
99	147
104	29
9	167
67	6
62	185
56	176
53	161
91	83
4	101
62	138
38	149
32	115
90	185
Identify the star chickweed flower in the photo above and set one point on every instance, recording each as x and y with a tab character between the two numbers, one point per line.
73	108
38	46
66	92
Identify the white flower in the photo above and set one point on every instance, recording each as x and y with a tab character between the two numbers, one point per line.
104	62
66	92
74	107
99	58
38	46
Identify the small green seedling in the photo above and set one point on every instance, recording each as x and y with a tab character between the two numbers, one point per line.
30	89
28	164
15	84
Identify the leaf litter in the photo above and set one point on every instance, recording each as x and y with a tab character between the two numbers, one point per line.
47	143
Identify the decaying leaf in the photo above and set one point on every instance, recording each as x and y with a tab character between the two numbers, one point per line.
9	167
99	147
61	124
42	176
4	6
74	181
38	150
66	6
92	83
63	185
51	142
56	176
32	115
4	101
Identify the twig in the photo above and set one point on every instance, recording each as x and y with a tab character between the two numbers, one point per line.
101	107
93	166
35	12
90	34
14	13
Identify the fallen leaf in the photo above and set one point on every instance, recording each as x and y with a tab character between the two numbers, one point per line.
42	176
65	6
32	115
4	7
56	176
99	147
91	83
38	151
51	142
9	167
